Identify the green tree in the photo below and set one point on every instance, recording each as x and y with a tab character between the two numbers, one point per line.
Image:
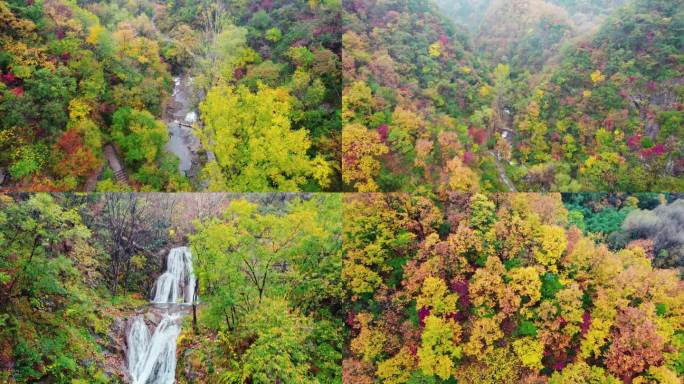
248	255
47	318
139	135
279	350
31	232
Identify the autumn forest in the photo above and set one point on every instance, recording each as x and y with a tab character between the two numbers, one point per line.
326	288
109	95
526	95
342	191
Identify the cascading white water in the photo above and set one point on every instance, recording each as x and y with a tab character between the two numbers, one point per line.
178	281
152	359
157	364
138	342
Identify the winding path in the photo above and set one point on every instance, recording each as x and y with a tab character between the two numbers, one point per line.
502	174
115	164
91	182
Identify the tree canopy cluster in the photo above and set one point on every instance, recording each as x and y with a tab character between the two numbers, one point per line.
502	288
271	73
530	95
77	76
652	221
269	278
74	77
485	95
362	288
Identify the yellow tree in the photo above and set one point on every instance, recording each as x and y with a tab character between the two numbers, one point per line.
360	149
370	340
397	369
525	282
460	178
530	351
357	102
253	144
436	297
438	350
551	244
484	332
373	234
536	129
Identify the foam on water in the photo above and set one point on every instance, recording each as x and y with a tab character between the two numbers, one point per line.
152	358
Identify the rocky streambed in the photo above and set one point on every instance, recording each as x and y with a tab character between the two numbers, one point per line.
179	116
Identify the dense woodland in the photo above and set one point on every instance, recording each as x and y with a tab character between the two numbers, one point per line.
358	289
73	268
513	288
653	221
270	280
527	95
76	76
442	104
486	95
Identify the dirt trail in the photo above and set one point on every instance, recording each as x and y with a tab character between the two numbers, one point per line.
502	174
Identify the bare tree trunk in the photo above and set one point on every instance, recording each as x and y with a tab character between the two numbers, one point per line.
194	307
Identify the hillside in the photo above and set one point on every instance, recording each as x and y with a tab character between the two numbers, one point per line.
503	288
609	117
91	93
410	82
555	100
78	272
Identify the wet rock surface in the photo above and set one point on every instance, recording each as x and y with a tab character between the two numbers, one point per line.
179	118
115	351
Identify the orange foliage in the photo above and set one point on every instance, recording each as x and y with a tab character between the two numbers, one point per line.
76	160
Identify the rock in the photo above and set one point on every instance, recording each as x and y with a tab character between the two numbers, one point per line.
151	317
119	326
114	364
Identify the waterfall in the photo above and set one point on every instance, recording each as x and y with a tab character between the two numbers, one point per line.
178	281
158	362
138	341
152	358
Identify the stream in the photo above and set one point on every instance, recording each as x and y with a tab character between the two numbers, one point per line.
179	117
151	355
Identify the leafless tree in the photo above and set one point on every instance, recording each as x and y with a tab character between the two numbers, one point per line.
129	224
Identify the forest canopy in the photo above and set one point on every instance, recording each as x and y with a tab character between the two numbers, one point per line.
522	95
110	95
74	269
503	288
325	288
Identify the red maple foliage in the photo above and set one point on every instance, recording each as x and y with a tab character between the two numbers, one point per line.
383	131
70	141
636	344
479	135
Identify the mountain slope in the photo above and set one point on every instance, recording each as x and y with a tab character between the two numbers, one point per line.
610	114
410	81
548	96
